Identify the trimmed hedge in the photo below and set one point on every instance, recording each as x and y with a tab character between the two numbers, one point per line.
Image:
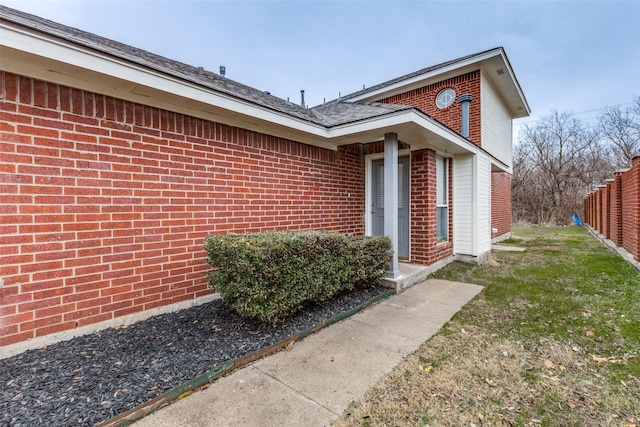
271	275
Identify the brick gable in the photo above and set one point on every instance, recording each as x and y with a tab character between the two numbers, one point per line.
424	99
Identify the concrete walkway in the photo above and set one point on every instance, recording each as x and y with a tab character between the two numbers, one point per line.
314	382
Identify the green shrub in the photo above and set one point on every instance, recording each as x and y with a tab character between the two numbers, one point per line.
271	275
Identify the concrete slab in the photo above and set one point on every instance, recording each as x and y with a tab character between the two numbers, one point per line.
316	368
444	291
418	310
406	323
508	248
410	274
247	398
314	382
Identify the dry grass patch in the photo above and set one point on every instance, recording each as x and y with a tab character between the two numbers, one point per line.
553	340
471	376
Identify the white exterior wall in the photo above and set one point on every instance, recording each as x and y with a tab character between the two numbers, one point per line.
472	205
496	124
483	205
463	204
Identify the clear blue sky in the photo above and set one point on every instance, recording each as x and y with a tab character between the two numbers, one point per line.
575	56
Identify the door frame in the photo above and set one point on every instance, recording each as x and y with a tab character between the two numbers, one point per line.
368	182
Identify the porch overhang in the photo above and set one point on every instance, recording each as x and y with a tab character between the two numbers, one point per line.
412	127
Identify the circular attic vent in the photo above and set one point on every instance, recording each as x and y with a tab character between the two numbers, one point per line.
445	97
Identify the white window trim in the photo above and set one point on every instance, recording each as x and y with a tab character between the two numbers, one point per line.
446	198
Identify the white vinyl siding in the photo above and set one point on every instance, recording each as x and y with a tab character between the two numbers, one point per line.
463	204
472	204
496	124
483	204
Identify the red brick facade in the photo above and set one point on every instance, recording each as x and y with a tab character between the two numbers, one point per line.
424	247
614	209
105	203
605	210
631	209
500	203
424	98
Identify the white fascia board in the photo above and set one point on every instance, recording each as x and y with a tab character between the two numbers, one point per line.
144	82
516	84
470	62
467	65
93	61
507	86
411	121
498	166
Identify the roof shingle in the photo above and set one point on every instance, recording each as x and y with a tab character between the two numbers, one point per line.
330	114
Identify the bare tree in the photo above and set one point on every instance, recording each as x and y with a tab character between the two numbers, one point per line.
555	163
620	128
560	159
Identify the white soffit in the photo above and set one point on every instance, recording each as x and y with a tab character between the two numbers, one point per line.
412	127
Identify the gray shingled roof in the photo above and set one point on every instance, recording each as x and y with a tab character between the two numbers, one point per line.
339	112
159	63
331	114
414	74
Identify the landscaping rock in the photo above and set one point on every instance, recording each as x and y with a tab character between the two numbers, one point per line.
91	378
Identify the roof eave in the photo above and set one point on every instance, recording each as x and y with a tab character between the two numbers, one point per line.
32	54
507	83
49	59
412	127
487	60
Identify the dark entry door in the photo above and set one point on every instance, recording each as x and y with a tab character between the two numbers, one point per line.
377	203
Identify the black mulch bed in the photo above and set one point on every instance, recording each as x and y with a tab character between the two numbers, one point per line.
92	378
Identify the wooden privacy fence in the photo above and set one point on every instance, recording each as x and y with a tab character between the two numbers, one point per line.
613	209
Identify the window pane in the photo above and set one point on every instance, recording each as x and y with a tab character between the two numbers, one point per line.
381	186
400	188
441	181
442	224
442	199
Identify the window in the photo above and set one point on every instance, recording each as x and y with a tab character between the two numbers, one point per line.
400	186
442	199
445	98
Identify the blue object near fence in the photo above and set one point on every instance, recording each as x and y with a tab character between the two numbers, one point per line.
576	219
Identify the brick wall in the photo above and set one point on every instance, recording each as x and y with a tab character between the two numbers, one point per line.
589	209
631	209
614	209
605	211
105	203
424	247
599	211
500	203
424	99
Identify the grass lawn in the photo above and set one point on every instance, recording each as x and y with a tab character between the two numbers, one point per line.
553	340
